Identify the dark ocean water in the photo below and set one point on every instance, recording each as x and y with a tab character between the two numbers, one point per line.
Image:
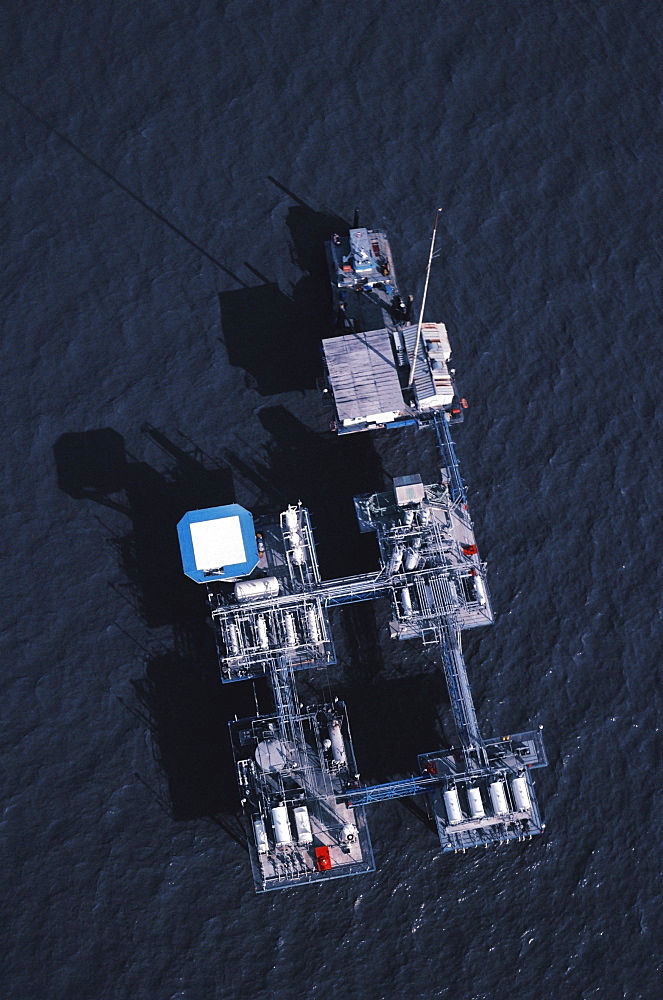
163	301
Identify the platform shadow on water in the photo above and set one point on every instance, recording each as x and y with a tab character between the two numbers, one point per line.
273	335
180	695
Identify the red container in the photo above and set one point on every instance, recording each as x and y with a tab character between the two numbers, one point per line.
322	859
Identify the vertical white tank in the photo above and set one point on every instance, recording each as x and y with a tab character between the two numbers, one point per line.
298	557
349	833
408	516
424	516
411	559
291	519
406	602
312	625
520	791
261	627
303	825
480	588
281	824
337	742
290	631
452	805
498	797
260	835
233	639
395	560
475	801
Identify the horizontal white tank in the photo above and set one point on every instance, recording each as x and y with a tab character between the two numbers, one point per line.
249	590
261	628
406	602
312	625
337	742
498	798
260	835
281	824
475	801
303	825
452	805
291	519
520	791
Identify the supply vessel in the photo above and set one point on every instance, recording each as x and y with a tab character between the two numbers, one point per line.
299	782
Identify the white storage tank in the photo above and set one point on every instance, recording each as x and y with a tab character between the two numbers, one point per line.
261	628
411	559
298	556
260	835
337	742
520	792
480	589
475	801
498	797
312	624
452	804
406	602
250	590
303	825
233	639
290	631
281	824
291	519
395	560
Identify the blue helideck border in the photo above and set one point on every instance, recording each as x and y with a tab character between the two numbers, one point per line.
213	514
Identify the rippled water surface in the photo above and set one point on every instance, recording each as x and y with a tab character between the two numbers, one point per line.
172	169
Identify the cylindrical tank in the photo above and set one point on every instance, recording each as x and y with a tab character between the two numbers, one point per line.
312	625
395	560
261	628
303	825
520	791
281	824
290	631
407	516
475	802
232	636
248	590
452	805
480	588
424	516
406	601
291	519
349	833
298	556
337	742
260	835
411	559
498	797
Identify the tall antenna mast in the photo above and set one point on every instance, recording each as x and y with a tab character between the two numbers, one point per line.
423	302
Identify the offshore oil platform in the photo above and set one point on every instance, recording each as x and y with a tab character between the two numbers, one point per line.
299	784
